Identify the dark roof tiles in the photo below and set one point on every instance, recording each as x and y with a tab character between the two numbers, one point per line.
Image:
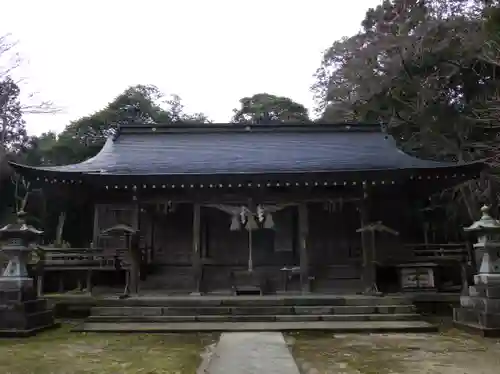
248	152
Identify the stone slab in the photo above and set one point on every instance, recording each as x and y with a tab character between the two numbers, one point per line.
298	318
261	310
126	311
482	290
196	310
15	283
253	301
312	310
488	279
21	313
143	319
476	317
16	333
252	353
478	330
395	309
257	318
482	304
15	295
339	327
247	310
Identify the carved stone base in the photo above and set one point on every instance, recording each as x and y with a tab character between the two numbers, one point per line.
478	313
22	313
487	279
481	290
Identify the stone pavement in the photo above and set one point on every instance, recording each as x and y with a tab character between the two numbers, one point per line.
252	353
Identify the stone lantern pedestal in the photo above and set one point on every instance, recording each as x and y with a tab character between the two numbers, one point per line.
480	310
21	312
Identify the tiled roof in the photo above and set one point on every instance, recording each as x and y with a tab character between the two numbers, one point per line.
220	149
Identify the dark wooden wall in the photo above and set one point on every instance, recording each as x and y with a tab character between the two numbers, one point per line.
334	246
225	250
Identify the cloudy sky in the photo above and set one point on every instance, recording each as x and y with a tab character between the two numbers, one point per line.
81	54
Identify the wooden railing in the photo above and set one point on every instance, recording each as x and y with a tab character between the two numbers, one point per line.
86	260
450	255
458	252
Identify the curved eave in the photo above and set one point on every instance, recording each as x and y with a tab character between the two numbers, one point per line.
35	172
451	173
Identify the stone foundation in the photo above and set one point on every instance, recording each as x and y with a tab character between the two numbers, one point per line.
22	313
480	311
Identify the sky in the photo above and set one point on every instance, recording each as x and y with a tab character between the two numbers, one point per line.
82	54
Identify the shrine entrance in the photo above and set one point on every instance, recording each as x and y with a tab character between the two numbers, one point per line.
248	245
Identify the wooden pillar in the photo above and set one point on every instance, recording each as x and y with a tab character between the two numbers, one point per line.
196	259
39	285
304	259
369	270
135	253
95	233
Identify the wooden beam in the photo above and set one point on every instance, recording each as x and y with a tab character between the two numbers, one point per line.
369	270
95	233
196	259
304	258
135	253
236	196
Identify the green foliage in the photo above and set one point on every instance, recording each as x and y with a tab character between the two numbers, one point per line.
13	137
265	108
427	68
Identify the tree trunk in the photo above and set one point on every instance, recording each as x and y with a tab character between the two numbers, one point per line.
4	166
471	206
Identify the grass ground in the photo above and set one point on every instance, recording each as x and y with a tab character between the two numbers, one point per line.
450	352
63	352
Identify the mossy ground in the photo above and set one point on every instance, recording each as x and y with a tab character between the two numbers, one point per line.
449	352
64	352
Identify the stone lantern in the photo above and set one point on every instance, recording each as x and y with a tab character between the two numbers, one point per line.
487	248
480	309
21	312
17	242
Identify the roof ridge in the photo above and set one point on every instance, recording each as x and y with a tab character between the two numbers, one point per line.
148	128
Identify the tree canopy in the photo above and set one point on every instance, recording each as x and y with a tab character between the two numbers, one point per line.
13	136
429	69
266	108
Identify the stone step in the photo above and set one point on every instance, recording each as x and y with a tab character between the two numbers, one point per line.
477	317
248	310
256	318
267	300
338	327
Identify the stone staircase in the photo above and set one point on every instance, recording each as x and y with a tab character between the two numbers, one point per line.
251	313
